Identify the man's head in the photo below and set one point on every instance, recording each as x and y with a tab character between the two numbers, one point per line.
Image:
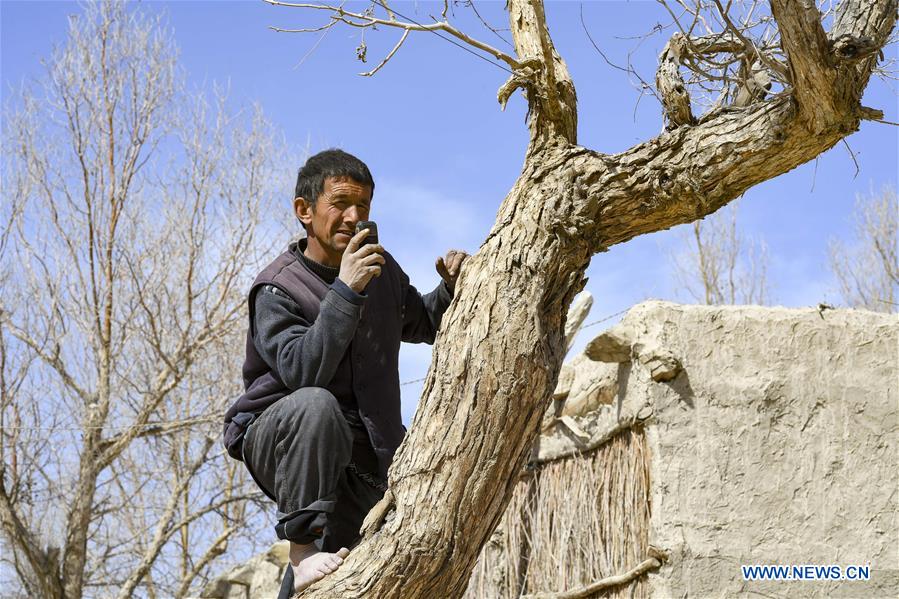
333	193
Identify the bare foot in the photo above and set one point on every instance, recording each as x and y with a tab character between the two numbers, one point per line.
309	564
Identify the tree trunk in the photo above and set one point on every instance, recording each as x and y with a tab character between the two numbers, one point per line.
501	343
484	399
78	520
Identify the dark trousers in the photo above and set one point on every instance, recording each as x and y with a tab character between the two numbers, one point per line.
300	452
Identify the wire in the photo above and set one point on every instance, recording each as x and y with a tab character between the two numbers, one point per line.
217	422
128	427
437	33
610	317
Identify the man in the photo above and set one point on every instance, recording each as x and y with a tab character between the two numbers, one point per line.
319	421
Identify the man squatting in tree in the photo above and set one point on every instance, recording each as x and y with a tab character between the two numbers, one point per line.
319	422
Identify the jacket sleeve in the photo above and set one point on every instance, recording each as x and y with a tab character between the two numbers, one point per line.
304	353
422	313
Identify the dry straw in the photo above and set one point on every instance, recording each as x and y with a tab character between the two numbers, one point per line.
571	523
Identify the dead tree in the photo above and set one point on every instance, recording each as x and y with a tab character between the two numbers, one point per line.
719	264
502	341
123	264
868	270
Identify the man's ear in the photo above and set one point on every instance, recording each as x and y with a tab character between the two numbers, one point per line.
303	211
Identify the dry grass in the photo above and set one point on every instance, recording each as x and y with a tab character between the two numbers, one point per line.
576	521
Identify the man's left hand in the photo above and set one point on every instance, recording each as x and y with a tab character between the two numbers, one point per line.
448	268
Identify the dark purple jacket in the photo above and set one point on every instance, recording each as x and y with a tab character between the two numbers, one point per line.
352	349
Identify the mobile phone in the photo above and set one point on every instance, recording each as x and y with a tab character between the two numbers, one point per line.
372	231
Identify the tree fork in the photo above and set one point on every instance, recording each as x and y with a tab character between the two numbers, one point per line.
501	344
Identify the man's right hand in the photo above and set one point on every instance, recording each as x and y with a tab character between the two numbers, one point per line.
359	264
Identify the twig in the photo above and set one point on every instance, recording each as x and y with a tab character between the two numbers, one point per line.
363	20
852	154
388	57
814	176
629	69
779	69
612	581
596	441
314	46
327	25
487	25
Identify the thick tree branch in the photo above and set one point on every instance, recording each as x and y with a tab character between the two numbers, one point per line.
690	172
863	20
811	70
552	98
671	85
830	74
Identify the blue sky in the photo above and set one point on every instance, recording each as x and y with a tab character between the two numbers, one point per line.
444	155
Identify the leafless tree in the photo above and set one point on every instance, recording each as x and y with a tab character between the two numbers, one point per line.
719	265
868	270
134	213
784	90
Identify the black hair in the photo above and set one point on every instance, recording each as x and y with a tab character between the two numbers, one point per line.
329	163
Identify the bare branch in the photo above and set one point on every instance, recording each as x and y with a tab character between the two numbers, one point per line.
21	536
495	31
671	85
164	530
216	549
750	48
324	27
719	265
650	563
52	359
867	271
155	429
644	86
364	20
552	98
388	57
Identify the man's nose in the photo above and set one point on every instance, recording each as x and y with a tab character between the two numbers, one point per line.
352	215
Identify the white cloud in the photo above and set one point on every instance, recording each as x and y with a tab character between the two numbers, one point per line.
416	225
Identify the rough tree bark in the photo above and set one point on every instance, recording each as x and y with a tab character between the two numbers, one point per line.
501	344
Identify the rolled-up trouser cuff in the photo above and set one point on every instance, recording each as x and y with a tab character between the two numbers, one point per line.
305	525
304	528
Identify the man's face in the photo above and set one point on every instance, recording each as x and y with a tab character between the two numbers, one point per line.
342	203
